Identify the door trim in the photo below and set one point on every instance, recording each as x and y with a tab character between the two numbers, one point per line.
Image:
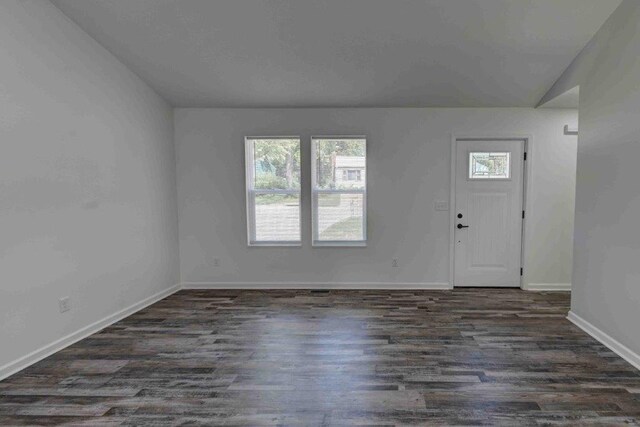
526	203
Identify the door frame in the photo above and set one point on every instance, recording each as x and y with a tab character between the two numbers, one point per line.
526	202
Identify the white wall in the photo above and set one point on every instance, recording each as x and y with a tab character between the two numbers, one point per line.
409	169
87	182
607	245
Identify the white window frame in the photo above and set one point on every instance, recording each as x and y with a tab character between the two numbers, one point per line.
315	192
251	192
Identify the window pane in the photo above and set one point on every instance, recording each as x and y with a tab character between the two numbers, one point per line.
340	216
489	165
273	190
340	163
276	164
277	217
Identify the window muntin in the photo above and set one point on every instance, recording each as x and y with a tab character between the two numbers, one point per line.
273	190
339	191
489	165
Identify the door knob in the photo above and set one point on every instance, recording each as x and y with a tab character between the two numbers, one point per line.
460	226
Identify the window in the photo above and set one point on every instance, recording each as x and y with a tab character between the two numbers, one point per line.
489	165
351	175
273	191
339	170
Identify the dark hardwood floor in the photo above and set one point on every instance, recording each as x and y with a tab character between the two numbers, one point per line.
463	357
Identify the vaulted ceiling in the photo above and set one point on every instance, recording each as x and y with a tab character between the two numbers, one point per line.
344	53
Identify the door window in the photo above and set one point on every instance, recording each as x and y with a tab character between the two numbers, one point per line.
485	165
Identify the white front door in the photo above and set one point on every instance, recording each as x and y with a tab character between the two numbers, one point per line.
488	213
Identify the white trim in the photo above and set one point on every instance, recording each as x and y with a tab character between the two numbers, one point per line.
278	243
261	192
340	244
605	339
248	182
59	344
318	285
526	201
527	205
452	211
564	287
272	137
339	136
346	191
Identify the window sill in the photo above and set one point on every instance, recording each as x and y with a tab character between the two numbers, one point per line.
339	244
274	244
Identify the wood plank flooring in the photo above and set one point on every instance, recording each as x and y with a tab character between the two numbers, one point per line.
462	357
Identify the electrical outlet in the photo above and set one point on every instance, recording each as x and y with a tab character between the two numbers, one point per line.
216	262
64	304
394	263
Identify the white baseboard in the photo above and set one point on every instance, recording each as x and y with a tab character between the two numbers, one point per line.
317	285
564	287
47	350
617	347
